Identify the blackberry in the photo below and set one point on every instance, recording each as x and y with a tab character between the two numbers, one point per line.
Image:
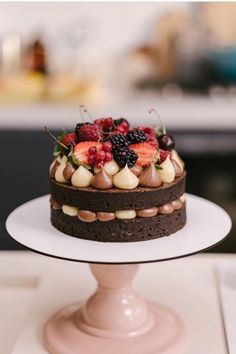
136	136
124	156
120	120
118	141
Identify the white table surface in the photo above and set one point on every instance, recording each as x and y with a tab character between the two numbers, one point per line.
32	287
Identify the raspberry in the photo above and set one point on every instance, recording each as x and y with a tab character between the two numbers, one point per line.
69	139
89	133
136	136
163	156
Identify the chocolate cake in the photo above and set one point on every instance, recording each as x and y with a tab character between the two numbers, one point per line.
113	183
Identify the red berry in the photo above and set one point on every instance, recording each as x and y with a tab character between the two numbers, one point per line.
98	121
91	160
92	150
152	141
107	122
69	139
81	154
163	155
108	156
100	155
120	130
125	125
166	142
90	133
99	164
107	146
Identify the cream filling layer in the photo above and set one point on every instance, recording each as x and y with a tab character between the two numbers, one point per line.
91	216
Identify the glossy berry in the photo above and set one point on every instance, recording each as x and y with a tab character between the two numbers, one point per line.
125	156
89	133
121	121
107	146
166	142
91	160
108	156
163	155
100	155
118	141
152	140
136	136
147	130
92	150
69	139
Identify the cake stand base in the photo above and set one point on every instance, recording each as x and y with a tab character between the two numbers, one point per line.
116	320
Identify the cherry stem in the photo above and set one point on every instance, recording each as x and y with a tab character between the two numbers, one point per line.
87	112
54	138
81	110
152	110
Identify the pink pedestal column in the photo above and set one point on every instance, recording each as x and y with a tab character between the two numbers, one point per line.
115	319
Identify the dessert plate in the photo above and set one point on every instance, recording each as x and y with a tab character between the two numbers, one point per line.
207	225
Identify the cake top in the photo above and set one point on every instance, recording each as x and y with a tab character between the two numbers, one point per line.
108	152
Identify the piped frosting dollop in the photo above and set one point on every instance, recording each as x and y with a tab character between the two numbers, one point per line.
149	177
125	179
102	180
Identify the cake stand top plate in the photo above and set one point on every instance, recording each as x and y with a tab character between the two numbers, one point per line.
207	225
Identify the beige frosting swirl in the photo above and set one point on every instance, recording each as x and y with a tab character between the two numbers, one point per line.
102	180
178	169
125	179
149	177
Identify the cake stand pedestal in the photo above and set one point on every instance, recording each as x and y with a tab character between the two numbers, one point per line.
115	319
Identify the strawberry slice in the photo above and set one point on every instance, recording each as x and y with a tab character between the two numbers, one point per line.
163	155
80	154
146	153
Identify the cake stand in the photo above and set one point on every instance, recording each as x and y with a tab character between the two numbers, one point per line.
115	319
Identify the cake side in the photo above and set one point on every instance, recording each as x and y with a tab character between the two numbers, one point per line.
128	230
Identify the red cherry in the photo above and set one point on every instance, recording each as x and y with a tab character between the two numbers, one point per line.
108	122
107	146
120	130
98	121
108	156
92	150
100	155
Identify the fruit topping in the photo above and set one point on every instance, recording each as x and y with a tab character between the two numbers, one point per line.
69	139
81	152
107	146
163	155
118	141
166	142
146	153
89	132
124	156
136	136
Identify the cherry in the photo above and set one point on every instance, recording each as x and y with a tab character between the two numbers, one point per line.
166	142
91	160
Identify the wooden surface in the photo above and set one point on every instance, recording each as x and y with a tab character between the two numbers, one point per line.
32	287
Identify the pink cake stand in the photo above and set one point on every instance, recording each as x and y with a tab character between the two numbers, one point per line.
115	319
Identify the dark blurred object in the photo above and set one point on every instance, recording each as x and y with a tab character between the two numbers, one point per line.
224	62
36	57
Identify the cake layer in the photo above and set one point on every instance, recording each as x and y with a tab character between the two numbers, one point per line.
116	199
137	229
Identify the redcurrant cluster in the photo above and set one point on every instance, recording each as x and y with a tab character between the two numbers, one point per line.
98	155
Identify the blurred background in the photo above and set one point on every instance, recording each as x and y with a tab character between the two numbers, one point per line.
118	59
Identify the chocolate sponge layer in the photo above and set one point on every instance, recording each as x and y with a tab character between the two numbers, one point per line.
138	229
117	199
